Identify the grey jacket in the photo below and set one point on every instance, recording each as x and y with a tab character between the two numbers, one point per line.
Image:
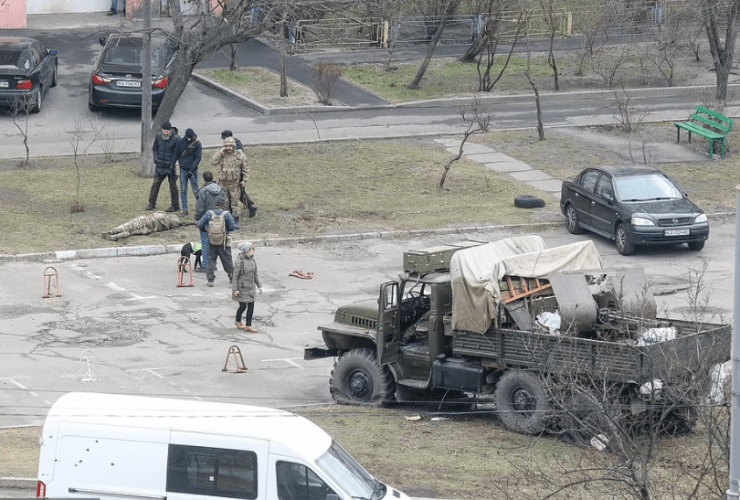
207	199
245	278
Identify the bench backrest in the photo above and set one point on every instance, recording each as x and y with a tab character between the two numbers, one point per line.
713	119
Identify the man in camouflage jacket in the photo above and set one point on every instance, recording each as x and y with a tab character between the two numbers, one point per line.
232	174
144	224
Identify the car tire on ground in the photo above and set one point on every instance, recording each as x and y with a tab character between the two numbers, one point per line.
696	245
522	404
528	201
54	78
622	240
571	220
93	107
358	379
37	107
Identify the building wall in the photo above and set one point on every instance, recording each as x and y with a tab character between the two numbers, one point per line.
66	6
13	14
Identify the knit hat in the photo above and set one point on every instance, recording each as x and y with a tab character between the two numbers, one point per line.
190	133
166	126
225	134
245	246
221	200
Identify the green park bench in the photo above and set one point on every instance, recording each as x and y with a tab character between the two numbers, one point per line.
707	123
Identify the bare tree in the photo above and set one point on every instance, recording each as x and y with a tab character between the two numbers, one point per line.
326	76
202	33
19	110
533	84
716	13
81	140
477	118
446	9
551	23
485	81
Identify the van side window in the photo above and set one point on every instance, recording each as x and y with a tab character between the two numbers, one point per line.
212	471
298	482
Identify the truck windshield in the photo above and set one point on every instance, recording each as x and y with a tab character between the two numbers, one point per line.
350	475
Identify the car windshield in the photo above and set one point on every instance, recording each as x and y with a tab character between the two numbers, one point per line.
654	186
346	472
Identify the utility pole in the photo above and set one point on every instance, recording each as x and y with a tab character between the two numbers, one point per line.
733	493
146	83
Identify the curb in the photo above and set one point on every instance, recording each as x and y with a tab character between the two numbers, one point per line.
18	483
148	250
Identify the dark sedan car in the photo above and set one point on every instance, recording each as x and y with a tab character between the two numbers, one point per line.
27	71
117	73
632	205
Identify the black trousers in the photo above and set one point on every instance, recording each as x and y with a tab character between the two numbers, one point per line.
174	193
249	306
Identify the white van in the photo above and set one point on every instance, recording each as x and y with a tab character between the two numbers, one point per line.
114	447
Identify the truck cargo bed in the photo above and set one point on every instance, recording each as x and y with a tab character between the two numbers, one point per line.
619	360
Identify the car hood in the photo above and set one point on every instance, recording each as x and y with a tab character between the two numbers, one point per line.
682	206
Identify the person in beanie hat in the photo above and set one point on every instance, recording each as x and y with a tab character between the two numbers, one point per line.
189	153
227	133
165	158
244	285
233	172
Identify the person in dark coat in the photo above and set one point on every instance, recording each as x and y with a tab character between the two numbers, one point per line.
244	285
189	153
165	157
193	248
207	196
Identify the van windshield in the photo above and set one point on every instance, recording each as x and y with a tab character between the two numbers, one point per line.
350	475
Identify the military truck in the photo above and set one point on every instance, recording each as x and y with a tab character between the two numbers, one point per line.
513	321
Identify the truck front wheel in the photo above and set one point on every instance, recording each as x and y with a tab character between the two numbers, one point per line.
522	403
358	379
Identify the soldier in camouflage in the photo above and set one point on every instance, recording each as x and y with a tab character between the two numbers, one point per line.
145	224
232	174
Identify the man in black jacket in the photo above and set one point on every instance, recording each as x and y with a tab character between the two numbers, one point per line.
165	157
189	152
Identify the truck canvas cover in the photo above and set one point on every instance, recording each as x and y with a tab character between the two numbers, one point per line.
475	273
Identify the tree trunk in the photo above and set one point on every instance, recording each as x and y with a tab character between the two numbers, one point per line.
722	56
450	6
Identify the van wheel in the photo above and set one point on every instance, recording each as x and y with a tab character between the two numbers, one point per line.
358	379
522	404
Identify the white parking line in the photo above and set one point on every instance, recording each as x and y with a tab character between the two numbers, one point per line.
287	360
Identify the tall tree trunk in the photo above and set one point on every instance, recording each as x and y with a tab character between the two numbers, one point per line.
722	56
450	6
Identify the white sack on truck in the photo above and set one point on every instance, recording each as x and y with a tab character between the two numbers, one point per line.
475	273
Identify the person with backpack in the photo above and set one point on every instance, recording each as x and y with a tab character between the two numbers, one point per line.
206	201
218	224
244	285
189	153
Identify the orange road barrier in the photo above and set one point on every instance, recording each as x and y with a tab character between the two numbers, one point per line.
183	266
236	353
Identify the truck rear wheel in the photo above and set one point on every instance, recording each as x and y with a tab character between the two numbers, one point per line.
358	379
522	403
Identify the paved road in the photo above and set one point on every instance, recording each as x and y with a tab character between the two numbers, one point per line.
122	325
364	117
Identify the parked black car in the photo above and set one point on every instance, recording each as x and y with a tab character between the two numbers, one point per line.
633	205
27	71
116	78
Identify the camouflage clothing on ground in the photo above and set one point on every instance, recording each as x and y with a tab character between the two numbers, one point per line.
145	224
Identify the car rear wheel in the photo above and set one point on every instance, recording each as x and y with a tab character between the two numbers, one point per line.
54	78
37	106
622	238
571	220
93	107
696	245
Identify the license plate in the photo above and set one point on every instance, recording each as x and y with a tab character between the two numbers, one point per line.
128	83
676	232
4	85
